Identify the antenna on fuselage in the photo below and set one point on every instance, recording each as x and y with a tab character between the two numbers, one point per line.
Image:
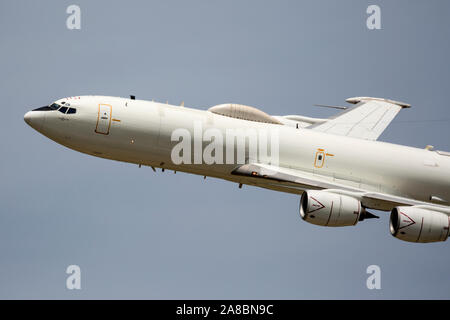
333	107
132	97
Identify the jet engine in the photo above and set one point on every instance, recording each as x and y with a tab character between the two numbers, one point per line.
414	224
329	209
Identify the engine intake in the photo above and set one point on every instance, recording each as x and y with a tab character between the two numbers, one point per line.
329	209
419	225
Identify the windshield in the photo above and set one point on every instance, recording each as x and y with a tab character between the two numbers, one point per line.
55	106
51	107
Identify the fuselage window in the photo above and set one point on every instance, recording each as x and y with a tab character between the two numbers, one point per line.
72	110
63	109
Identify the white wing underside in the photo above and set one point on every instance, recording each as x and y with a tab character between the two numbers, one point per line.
299	180
366	120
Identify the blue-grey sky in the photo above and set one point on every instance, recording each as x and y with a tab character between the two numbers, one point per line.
140	234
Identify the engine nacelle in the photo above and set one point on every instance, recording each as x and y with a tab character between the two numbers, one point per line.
329	209
419	225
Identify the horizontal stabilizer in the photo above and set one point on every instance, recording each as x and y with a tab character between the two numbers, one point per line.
366	120
356	100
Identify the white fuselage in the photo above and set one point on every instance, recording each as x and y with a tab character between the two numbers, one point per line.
140	132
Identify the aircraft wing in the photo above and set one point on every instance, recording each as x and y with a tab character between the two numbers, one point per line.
299	181
366	120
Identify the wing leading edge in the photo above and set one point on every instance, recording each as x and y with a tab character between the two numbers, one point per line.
366	120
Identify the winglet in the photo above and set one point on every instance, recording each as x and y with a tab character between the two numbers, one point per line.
356	100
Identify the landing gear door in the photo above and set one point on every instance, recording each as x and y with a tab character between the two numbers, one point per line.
104	119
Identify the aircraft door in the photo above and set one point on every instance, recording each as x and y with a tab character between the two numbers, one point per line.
103	119
319	158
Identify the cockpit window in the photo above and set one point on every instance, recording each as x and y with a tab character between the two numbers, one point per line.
63	109
58	107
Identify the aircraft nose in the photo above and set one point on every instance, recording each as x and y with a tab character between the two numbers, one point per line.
34	119
27	118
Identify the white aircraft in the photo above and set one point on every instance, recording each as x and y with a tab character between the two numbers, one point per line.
336	164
